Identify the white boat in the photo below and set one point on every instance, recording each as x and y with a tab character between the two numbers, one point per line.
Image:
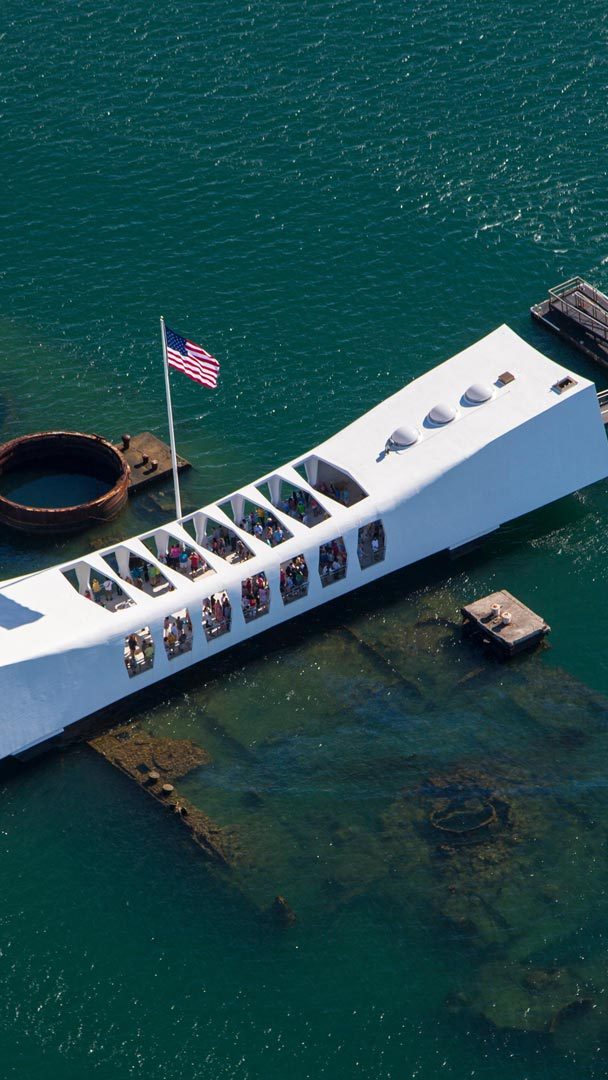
491	434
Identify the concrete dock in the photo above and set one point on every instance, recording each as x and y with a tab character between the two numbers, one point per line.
578	313
501	621
149	460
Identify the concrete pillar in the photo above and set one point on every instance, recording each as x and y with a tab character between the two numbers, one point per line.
200	523
161	539
312	470
274	486
122	558
238	504
83	574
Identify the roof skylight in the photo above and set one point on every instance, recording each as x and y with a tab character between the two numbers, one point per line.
442	413
405	435
478	392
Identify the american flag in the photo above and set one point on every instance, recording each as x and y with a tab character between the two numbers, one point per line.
194	361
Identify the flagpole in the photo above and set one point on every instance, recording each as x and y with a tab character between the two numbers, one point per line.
178	501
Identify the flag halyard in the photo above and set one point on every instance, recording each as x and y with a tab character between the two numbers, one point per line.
191	359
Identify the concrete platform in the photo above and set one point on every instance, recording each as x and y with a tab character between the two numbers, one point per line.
525	630
558	323
143	473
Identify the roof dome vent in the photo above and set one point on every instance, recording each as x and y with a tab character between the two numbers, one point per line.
478	392
403	436
442	413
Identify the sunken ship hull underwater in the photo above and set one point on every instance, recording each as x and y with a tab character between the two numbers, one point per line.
493	433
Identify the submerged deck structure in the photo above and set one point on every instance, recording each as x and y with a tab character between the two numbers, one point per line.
493	433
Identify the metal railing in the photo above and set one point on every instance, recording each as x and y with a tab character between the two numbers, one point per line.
329	576
251	613
588	310
294	593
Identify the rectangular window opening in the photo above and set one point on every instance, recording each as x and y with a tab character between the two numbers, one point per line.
137	571
293	501
255	597
224	542
371	546
178	556
217	615
332	561
177	633
330	481
100	588
259	522
139	652
294	579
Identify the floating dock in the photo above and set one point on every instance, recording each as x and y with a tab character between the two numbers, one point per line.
577	312
503	622
149	460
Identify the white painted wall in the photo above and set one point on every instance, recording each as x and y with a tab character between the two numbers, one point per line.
513	455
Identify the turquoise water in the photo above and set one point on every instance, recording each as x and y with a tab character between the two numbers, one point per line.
332	198
37	487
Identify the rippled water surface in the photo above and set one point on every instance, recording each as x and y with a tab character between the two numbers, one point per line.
332	197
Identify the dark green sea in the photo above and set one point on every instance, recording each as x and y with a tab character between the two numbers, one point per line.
332	197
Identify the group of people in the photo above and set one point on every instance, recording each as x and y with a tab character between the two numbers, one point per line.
341	495
142	574
226	544
332	561
217	615
294	579
177	633
301	505
255	596
370	548
147	576
265	526
139	652
217	611
187	561
101	593
107	593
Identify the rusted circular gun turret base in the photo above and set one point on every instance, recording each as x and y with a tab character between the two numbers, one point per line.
68	451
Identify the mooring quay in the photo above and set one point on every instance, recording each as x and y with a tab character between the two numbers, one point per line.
493	433
577	312
149	460
503	622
